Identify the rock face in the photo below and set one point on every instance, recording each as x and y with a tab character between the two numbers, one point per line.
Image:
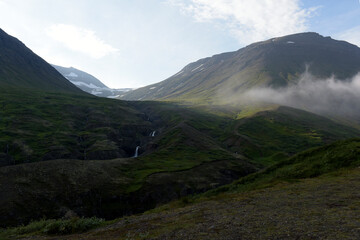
276	62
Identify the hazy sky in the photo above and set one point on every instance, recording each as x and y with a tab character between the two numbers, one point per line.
133	43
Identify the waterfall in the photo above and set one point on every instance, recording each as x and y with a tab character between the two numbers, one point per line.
152	134
136	152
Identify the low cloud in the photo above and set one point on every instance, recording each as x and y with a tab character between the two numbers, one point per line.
250	20
80	40
329	97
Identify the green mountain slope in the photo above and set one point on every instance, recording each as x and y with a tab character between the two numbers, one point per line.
284	131
21	68
38	126
275	62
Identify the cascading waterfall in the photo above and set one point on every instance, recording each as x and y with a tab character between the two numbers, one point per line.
152	134
136	152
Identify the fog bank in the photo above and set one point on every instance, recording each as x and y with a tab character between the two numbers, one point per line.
331	97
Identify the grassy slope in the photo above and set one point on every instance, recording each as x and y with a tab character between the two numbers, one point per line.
313	195
268	135
37	126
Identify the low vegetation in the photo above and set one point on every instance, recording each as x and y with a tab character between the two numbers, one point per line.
53	227
310	195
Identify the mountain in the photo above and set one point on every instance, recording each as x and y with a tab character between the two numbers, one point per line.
21	68
65	152
89	83
275	63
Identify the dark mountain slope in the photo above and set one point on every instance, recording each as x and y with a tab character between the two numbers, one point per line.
275	62
21	68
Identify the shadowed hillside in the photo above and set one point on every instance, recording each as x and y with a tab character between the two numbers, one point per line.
21	68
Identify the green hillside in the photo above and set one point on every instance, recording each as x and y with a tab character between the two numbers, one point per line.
267	135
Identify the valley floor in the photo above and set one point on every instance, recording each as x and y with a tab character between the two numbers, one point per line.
327	207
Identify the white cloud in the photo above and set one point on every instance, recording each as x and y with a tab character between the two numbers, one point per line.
80	40
351	35
250	20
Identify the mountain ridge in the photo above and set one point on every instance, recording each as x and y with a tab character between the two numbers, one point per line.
276	62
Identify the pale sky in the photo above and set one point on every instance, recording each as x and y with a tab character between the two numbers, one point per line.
139	42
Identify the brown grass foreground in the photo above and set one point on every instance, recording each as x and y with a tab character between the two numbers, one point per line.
327	207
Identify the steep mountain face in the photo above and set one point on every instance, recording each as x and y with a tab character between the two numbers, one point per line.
89	83
276	62
21	68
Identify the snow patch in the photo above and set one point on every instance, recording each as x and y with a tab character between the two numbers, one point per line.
197	67
178	73
91	85
116	96
94	92
290	42
72	74
152	88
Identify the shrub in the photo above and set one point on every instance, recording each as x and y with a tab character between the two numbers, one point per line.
72	225
55	227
